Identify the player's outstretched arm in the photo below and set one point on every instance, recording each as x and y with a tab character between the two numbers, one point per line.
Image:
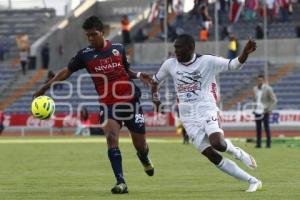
60	76
248	49
144	77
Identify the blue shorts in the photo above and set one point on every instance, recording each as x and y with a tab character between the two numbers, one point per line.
128	113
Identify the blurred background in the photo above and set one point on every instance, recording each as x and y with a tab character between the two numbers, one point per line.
42	35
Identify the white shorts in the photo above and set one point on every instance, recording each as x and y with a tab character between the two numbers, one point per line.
200	131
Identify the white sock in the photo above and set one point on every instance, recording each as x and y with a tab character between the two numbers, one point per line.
232	149
231	168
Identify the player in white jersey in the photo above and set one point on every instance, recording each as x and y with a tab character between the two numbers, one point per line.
194	80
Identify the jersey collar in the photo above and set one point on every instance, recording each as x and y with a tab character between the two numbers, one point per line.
107	46
191	61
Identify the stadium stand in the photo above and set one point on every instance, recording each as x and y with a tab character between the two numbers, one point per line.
242	96
243	28
287	90
235	87
6	77
231	85
33	22
20	87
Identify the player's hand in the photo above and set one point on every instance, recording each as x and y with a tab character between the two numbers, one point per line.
146	79
250	46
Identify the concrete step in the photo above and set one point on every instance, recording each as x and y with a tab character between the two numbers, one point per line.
21	86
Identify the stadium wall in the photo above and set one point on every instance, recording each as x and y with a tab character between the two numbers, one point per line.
230	120
71	38
279	51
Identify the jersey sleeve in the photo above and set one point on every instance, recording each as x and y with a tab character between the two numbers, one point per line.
162	72
76	63
219	64
124	58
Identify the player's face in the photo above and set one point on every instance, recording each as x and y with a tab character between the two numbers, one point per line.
95	38
183	51
260	81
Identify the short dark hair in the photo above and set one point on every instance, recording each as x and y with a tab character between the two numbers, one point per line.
261	76
93	22
187	39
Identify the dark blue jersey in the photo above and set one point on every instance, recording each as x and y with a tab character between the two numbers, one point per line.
108	68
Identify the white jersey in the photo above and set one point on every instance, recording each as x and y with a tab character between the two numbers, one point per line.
195	82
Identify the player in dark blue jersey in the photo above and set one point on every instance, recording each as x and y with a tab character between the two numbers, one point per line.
119	97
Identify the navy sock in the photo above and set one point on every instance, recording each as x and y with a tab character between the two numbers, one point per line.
114	155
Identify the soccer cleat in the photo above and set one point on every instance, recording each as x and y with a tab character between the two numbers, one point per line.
119	188
253	187
148	166
247	159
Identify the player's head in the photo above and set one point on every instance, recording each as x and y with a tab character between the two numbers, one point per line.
184	47
260	80
94	31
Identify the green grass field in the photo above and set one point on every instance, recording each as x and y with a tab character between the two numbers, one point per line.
78	168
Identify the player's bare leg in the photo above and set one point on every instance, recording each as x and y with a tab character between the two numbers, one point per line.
111	129
224	145
232	169
141	146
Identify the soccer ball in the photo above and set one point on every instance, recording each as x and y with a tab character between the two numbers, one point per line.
42	107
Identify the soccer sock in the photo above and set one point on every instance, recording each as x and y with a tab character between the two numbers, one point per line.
143	155
231	168
114	155
232	149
